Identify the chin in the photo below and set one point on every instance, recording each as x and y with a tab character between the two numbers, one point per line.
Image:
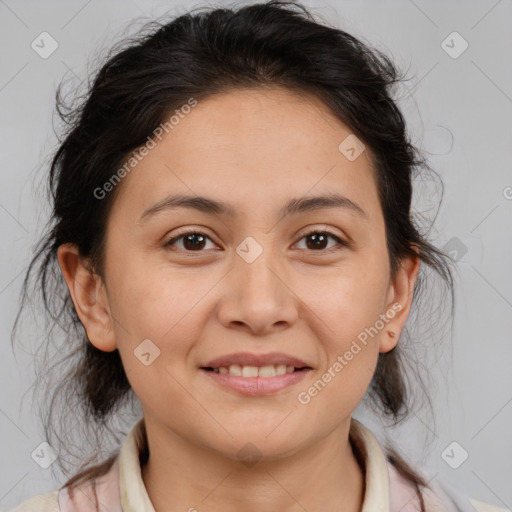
265	443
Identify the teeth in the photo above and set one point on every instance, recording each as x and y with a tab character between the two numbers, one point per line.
255	371
267	371
249	371
236	370
281	369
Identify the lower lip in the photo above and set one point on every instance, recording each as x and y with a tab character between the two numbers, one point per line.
257	385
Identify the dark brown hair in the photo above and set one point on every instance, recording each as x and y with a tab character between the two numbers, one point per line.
146	78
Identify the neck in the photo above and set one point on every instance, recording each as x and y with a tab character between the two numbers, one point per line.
181	476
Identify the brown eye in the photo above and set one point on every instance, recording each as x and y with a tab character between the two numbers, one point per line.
319	240
193	241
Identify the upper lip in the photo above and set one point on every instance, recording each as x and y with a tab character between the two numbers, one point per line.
248	359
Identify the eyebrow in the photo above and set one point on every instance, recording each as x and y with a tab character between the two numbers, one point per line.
215	207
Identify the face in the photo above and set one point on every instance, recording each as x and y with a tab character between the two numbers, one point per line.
250	282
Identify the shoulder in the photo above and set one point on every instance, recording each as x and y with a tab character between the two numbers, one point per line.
82	497
480	506
447	497
438	496
41	503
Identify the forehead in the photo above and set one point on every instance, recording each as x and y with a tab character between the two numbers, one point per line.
249	146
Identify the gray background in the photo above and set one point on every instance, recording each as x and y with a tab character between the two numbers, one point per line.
458	110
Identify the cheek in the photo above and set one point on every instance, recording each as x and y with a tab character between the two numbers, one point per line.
168	308
157	325
349	299
347	306
151	299
349	343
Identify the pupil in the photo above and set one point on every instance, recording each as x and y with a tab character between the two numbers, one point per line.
318	237
189	238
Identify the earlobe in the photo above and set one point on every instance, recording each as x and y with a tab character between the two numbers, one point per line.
400	298
388	340
91	305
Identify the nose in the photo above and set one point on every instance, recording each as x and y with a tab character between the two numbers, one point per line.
258	295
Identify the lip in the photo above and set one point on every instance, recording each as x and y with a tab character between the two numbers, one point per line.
249	359
256	386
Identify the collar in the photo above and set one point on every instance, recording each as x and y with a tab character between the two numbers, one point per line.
134	497
122	488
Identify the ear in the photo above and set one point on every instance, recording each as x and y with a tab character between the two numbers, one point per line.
399	302
89	296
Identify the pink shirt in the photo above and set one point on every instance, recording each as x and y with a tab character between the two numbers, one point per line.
122	488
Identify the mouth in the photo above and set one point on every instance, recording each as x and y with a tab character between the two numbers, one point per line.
249	371
255	374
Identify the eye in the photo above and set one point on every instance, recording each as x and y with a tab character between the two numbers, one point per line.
320	238
193	241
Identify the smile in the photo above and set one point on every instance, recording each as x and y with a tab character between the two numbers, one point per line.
254	371
254	380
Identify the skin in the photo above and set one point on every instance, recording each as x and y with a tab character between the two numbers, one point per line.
254	149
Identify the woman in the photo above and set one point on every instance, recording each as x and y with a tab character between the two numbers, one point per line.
232	224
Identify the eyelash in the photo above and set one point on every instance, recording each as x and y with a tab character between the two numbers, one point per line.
341	243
